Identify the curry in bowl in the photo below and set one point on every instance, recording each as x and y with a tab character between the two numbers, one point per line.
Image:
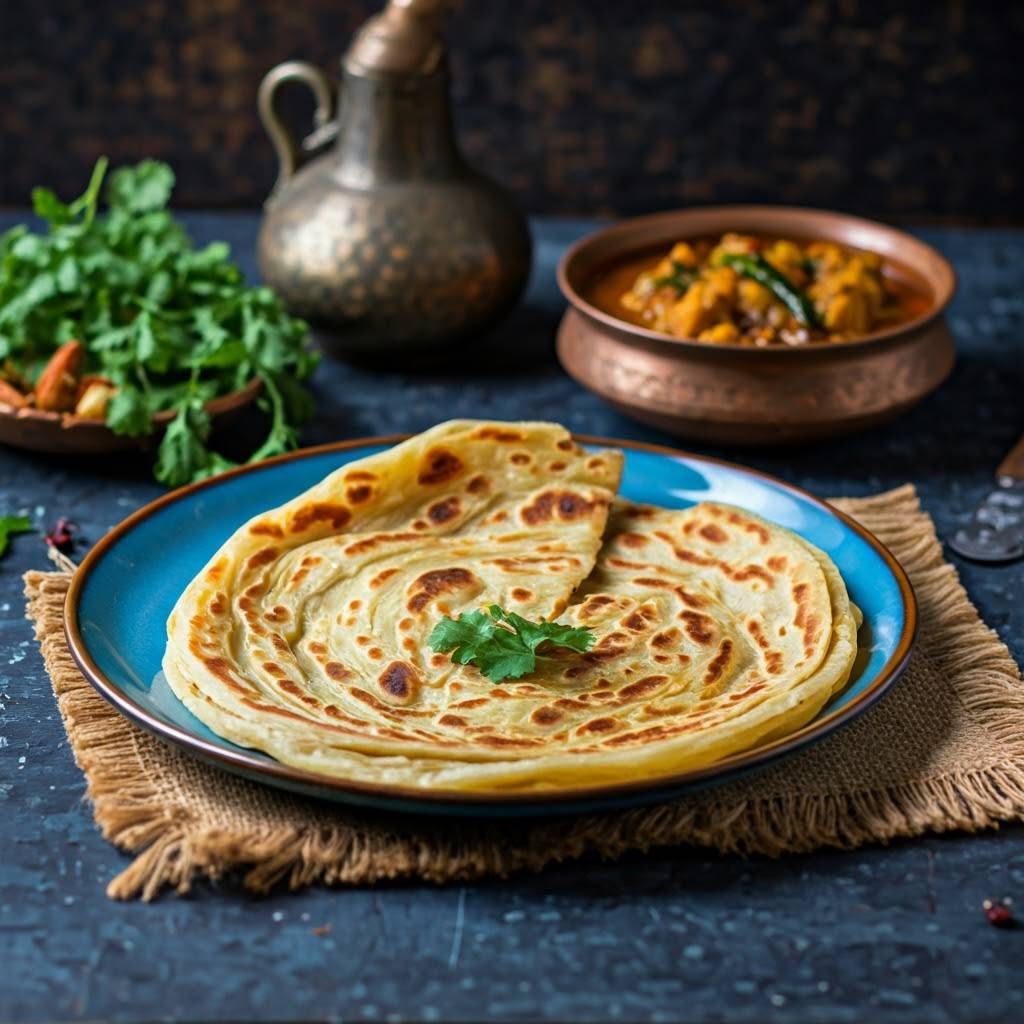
742	289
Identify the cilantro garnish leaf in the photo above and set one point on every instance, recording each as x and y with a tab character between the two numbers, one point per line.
171	326
501	644
10	525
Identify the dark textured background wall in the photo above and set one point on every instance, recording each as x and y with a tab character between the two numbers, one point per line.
907	111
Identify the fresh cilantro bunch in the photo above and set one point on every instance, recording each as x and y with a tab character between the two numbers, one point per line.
501	644
170	325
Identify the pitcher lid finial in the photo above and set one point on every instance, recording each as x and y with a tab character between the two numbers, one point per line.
405	38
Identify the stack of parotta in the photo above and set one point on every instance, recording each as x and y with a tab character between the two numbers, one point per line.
306	634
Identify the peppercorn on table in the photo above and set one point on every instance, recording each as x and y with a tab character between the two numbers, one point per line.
899	932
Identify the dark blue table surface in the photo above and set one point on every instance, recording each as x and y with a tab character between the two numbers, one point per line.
880	934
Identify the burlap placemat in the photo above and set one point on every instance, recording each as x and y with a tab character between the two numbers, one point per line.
943	750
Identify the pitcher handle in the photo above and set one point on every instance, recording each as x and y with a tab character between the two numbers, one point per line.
289	151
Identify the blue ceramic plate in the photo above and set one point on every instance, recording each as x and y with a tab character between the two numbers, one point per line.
121	596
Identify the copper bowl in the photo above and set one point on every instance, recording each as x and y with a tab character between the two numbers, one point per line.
738	393
62	433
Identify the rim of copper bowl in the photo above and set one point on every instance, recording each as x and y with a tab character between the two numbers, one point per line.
941	297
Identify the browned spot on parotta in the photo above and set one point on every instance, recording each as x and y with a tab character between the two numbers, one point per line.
635	622
546	716
739	575
595	604
621	563
666	638
376	540
359	493
266	530
773	659
699	628
262	557
714	533
642	687
716	668
804	618
749	526
399	682
452	720
221	668
500	434
439	466
631	540
333	513
380	578
565	505
442	511
436	582
597	725
552	563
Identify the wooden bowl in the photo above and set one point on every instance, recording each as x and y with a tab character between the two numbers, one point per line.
66	434
738	393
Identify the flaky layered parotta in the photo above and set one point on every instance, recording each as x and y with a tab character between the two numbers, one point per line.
306	634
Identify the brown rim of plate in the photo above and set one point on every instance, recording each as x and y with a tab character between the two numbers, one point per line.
241	759
626	227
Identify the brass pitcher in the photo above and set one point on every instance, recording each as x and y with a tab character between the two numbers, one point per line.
389	242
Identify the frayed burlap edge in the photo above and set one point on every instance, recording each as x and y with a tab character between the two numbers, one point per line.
332	846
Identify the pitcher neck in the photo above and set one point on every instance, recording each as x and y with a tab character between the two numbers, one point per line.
394	127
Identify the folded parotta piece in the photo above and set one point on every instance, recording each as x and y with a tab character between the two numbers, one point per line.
306	635
309	626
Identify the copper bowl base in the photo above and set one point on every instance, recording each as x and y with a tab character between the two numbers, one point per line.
718	398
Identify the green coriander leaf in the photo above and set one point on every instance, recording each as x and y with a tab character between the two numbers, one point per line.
183	455
128	412
482	639
42	289
68	276
46	205
536	633
10	525
505	656
141	189
160	288
31	249
461	636
212	256
146	346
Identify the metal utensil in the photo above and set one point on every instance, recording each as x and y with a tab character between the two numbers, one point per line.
996	530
